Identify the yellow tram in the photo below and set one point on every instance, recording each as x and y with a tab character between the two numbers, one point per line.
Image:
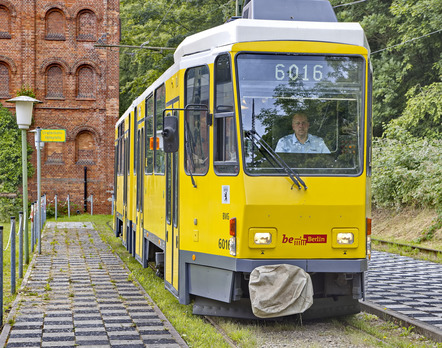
243	172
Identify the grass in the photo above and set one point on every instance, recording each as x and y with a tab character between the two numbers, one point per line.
386	334
9	298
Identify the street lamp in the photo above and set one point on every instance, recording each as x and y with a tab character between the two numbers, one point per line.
23	107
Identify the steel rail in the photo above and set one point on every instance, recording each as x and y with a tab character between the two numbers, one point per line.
403	245
420	327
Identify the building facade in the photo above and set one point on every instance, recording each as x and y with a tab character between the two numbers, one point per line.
48	45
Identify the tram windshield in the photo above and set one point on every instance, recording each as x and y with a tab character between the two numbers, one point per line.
308	109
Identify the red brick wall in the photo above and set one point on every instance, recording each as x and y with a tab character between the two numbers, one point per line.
78	85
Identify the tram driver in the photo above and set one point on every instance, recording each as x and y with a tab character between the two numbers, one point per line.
301	141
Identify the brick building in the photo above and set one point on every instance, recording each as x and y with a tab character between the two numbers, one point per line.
49	46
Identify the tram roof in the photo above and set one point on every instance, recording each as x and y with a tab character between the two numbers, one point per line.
249	30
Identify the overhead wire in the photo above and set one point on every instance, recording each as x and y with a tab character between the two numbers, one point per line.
390	47
350	3
170	7
143	45
405	42
160	49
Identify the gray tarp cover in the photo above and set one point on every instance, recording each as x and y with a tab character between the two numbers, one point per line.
280	290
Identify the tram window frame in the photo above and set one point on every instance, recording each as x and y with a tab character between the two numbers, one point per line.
149	133
369	120
222	117
128	141
159	155
361	103
135	141
137	151
122	149
119	149
168	188
175	173
117	152
203	118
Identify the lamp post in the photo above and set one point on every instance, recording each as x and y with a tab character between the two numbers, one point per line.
23	107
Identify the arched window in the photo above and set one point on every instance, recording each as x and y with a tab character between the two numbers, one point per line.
86	84
54	153
85	148
4	81
86	26
55	25
54	82
5	23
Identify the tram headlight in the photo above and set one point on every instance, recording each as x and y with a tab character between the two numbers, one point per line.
345	238
263	238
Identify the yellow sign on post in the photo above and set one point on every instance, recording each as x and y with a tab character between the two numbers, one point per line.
53	135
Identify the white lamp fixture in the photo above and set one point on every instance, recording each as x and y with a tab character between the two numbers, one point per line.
23	107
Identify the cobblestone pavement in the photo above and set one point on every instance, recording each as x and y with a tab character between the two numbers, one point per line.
79	294
407	286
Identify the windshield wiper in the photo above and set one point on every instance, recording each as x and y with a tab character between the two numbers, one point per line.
257	139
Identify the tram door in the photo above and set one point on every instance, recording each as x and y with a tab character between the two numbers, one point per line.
140	190
126	155
172	231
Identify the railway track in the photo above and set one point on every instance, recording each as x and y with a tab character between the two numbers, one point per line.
400	290
423	250
309	330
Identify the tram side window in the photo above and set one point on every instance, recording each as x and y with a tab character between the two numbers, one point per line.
148	166
127	147
160	105
226	148
120	149
196	129
135	142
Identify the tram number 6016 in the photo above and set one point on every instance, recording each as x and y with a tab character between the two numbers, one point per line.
224	244
294	71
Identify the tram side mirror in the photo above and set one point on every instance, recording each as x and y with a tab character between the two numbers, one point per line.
170	134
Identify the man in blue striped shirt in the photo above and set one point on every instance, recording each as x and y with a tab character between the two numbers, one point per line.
301	141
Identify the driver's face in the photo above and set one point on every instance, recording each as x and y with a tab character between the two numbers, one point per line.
300	125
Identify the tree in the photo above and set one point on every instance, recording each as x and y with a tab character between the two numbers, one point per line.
11	164
400	61
422	117
160	23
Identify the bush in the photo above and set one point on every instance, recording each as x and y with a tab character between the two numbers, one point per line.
407	172
11	163
62	209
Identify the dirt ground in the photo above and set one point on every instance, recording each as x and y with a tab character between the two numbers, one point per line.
406	226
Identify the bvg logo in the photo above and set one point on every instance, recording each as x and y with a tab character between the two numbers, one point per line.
306	239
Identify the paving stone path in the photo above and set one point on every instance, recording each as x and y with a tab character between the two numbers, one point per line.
407	286
79	294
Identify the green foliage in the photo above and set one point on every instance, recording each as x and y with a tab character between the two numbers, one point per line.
407	172
25	90
160	23
422	116
62	209
11	163
411	62
429	232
